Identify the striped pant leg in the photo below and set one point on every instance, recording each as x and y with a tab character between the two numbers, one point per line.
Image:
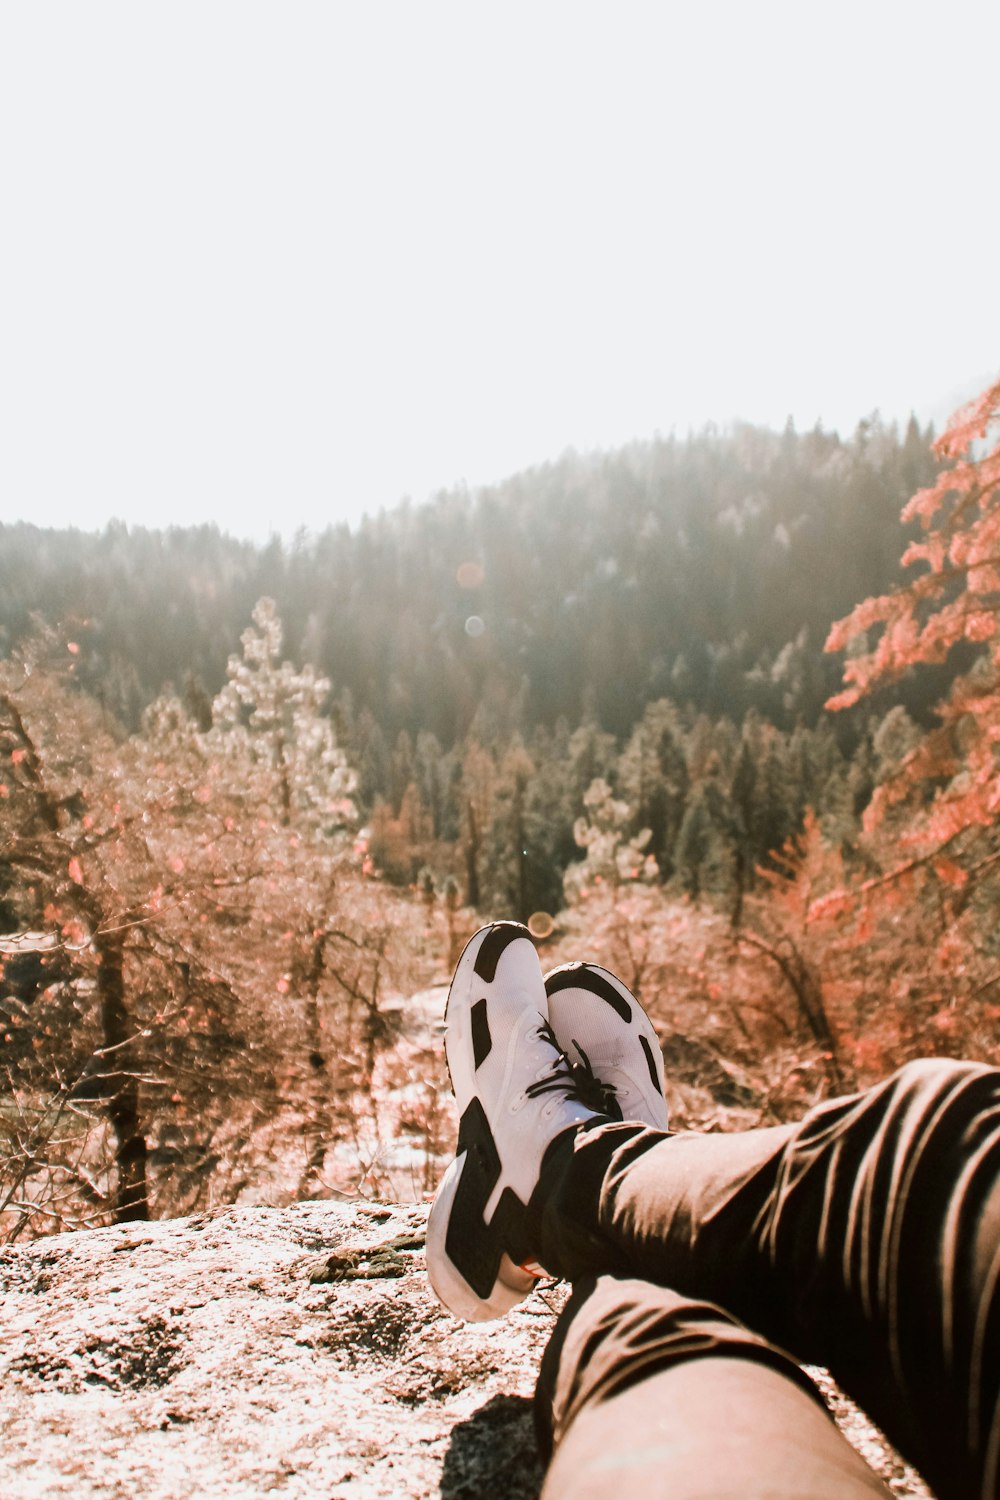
645	1392
866	1238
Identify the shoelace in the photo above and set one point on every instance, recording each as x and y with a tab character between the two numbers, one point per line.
577	1080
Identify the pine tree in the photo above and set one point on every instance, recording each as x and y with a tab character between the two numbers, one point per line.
705	853
506	856
953	603
930	830
613	857
653	774
269	713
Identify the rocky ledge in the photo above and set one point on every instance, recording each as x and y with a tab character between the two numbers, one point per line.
250	1351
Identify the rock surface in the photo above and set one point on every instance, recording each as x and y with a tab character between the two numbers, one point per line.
295	1351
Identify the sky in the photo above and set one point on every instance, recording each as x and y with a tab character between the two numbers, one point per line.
274	266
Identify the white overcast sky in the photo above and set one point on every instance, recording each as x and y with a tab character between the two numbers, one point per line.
276	265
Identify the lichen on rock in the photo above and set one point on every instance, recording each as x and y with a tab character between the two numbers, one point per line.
296	1350
247	1351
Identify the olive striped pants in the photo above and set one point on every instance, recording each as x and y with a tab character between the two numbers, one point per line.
865	1238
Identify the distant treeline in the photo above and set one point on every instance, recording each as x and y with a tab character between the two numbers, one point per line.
704	570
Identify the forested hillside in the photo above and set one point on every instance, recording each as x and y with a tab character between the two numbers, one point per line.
491	654
250	797
705	570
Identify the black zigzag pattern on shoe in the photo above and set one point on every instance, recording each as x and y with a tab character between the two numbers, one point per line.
650	1064
500	936
584	978
473	1246
482	1042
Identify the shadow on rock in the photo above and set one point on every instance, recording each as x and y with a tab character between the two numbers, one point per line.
493	1452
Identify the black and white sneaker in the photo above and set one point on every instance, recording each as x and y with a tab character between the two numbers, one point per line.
609	1041
515	1093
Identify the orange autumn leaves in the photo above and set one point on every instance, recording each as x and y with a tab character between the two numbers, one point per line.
954	601
960	517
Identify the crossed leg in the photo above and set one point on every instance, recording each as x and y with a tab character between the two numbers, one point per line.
866	1238
669	1397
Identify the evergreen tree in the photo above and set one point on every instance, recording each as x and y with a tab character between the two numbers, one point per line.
613	857
705	856
268	713
653	774
507	861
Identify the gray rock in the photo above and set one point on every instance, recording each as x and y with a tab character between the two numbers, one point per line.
295	1350
247	1351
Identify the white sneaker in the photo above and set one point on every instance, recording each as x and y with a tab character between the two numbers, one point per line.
607	1035
515	1093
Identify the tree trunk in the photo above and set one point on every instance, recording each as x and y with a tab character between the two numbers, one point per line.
520	852
472	859
319	1122
807	988
131	1199
740	863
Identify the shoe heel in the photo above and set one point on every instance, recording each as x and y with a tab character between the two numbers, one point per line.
450	1286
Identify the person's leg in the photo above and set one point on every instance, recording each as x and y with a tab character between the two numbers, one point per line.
646	1393
866	1238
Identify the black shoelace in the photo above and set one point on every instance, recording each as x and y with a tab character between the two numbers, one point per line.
577	1080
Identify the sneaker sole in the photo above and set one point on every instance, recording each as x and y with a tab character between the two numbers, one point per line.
450	1285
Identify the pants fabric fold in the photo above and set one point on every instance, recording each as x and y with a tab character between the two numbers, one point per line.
866	1238
670	1397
